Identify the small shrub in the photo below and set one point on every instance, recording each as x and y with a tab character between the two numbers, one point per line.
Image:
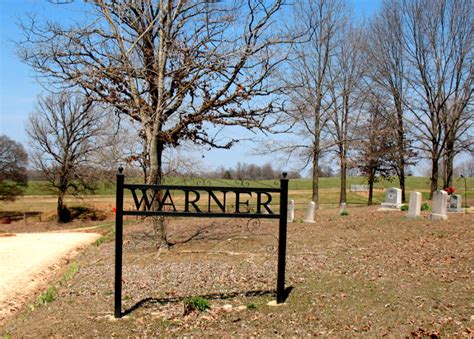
425	207
105	238
343	213
404	208
47	296
251	306
195	304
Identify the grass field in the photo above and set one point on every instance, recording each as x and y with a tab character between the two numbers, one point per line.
332	183
40	199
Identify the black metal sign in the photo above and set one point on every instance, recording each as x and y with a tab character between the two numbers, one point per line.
204	202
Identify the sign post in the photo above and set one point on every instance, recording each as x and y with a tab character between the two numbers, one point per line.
156	200
118	245
282	239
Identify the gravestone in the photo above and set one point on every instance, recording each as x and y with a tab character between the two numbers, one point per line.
455	203
393	199
343	209
414	207
291	211
310	212
440	202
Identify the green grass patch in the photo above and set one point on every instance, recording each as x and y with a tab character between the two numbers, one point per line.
105	238
48	296
425	207
196	304
251	306
70	273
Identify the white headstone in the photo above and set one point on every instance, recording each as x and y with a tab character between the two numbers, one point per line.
343	209
393	198
310	212
440	202
455	204
291	211
414	208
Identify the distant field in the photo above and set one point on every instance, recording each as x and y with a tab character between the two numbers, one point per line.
413	183
40	199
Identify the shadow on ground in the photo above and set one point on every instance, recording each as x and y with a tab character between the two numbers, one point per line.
212	296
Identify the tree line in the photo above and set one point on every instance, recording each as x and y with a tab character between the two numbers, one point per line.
383	94
376	95
244	171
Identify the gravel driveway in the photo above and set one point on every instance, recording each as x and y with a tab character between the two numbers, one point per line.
28	261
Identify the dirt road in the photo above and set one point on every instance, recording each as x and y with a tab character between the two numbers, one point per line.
28	262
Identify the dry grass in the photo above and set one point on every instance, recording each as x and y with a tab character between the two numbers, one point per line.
368	273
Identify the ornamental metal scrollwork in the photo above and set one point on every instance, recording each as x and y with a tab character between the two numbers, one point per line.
203	182
273	248
168	180
242	182
253	224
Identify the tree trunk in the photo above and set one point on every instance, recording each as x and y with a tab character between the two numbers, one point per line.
343	168
145	161
400	141
449	161
315	196
155	178
401	164
371	180
434	175
63	213
343	147
401	180
448	181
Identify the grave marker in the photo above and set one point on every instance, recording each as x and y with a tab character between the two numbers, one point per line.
455	203
393	199
343	209
310	212
291	211
414	207
440	202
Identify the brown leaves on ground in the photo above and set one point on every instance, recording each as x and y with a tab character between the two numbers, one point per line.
370	273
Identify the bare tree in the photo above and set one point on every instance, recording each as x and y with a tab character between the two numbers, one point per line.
176	67
458	126
346	74
13	161
310	81
376	147
387	69
440	49
64	132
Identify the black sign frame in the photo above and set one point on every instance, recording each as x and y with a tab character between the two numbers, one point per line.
262	212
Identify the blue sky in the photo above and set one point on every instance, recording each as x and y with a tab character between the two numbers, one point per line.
19	90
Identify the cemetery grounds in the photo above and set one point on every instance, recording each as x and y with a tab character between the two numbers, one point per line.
368	273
